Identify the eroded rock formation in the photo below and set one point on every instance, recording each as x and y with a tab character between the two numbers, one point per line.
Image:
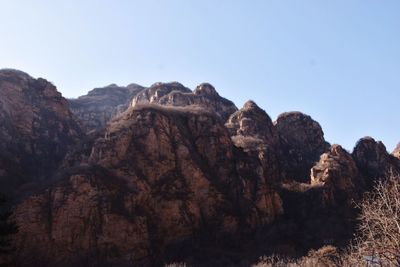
337	172
175	94
373	160
302	143
177	171
252	129
171	176
36	130
100	105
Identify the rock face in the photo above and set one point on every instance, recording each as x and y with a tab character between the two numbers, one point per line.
100	105
302	143
252	130
396	152
175	94
252	121
36	130
338	173
178	171
171	177
373	160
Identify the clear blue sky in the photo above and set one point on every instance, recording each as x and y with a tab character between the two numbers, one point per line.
338	61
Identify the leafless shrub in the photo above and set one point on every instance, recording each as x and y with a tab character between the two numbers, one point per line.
377	242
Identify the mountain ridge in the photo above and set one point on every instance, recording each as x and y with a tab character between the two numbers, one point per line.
151	175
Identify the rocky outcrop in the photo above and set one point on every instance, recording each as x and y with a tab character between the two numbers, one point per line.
253	130
251	121
373	160
100	105
337	172
302	143
36	130
396	151
175	94
165	175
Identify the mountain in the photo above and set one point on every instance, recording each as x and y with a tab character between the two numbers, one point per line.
37	129
175	94
146	176
100	105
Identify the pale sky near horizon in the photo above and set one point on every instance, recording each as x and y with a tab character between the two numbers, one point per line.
338	61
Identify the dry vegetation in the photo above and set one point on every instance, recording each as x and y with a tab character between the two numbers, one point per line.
376	243
378	236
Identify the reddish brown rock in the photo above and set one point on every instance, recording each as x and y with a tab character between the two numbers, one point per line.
89	217
337	172
37	128
100	105
175	94
373	160
302	143
252	130
252	121
167	175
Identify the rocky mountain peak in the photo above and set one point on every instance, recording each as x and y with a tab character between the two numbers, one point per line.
158	91
175	94
100	105
373	160
206	89
250	104
251	121
15	74
333	165
302	143
36	130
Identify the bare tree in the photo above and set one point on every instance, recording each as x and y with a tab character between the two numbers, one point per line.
377	242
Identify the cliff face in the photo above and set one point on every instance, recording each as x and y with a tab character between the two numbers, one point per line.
302	143
373	160
177	172
172	178
36	130
252	130
337	172
100	105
